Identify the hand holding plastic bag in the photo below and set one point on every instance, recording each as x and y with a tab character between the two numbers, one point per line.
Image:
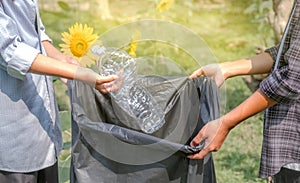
213	134
213	71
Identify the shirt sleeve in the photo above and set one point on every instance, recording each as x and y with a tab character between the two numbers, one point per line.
283	84
44	36
273	51
16	56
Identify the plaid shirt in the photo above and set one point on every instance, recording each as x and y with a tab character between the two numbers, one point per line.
281	143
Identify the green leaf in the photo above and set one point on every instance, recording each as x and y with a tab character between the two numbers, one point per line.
251	9
65	6
266	5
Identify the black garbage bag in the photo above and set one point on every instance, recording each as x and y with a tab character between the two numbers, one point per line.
109	148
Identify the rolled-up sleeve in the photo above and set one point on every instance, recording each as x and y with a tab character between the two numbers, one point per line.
16	56
273	51
44	36
19	64
283	84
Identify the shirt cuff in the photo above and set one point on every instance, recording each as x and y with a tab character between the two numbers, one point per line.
45	37
20	64
273	51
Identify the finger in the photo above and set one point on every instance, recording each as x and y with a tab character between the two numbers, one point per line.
117	84
197	73
106	79
108	86
197	139
199	155
103	89
64	80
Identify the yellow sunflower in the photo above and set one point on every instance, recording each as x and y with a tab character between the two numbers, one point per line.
164	5
78	42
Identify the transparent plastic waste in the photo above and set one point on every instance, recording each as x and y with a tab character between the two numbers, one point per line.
131	96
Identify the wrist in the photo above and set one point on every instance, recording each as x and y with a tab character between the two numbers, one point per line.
227	122
236	68
225	69
86	75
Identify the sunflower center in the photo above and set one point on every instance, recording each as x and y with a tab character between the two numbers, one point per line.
78	47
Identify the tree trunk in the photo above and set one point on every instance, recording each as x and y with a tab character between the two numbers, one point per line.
277	18
102	9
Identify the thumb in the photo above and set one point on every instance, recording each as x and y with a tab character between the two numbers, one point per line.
197	139
106	79
197	73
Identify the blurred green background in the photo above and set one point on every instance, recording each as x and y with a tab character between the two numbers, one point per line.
232	29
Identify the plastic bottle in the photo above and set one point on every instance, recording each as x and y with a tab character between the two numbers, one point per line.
132	96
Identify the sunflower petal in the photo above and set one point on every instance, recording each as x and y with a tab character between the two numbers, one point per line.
78	42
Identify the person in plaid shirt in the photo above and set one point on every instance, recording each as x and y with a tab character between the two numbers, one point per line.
278	95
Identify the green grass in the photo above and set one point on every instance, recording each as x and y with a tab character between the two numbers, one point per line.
228	32
238	159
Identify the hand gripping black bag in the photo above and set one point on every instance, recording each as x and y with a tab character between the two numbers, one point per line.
109	148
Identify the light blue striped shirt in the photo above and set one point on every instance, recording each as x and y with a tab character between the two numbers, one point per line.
30	132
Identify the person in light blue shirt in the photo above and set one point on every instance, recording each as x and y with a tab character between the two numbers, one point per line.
30	133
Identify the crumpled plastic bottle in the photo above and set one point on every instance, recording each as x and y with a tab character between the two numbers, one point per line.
132	96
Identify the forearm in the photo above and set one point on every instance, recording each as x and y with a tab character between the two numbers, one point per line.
49	66
53	52
256	103
258	64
